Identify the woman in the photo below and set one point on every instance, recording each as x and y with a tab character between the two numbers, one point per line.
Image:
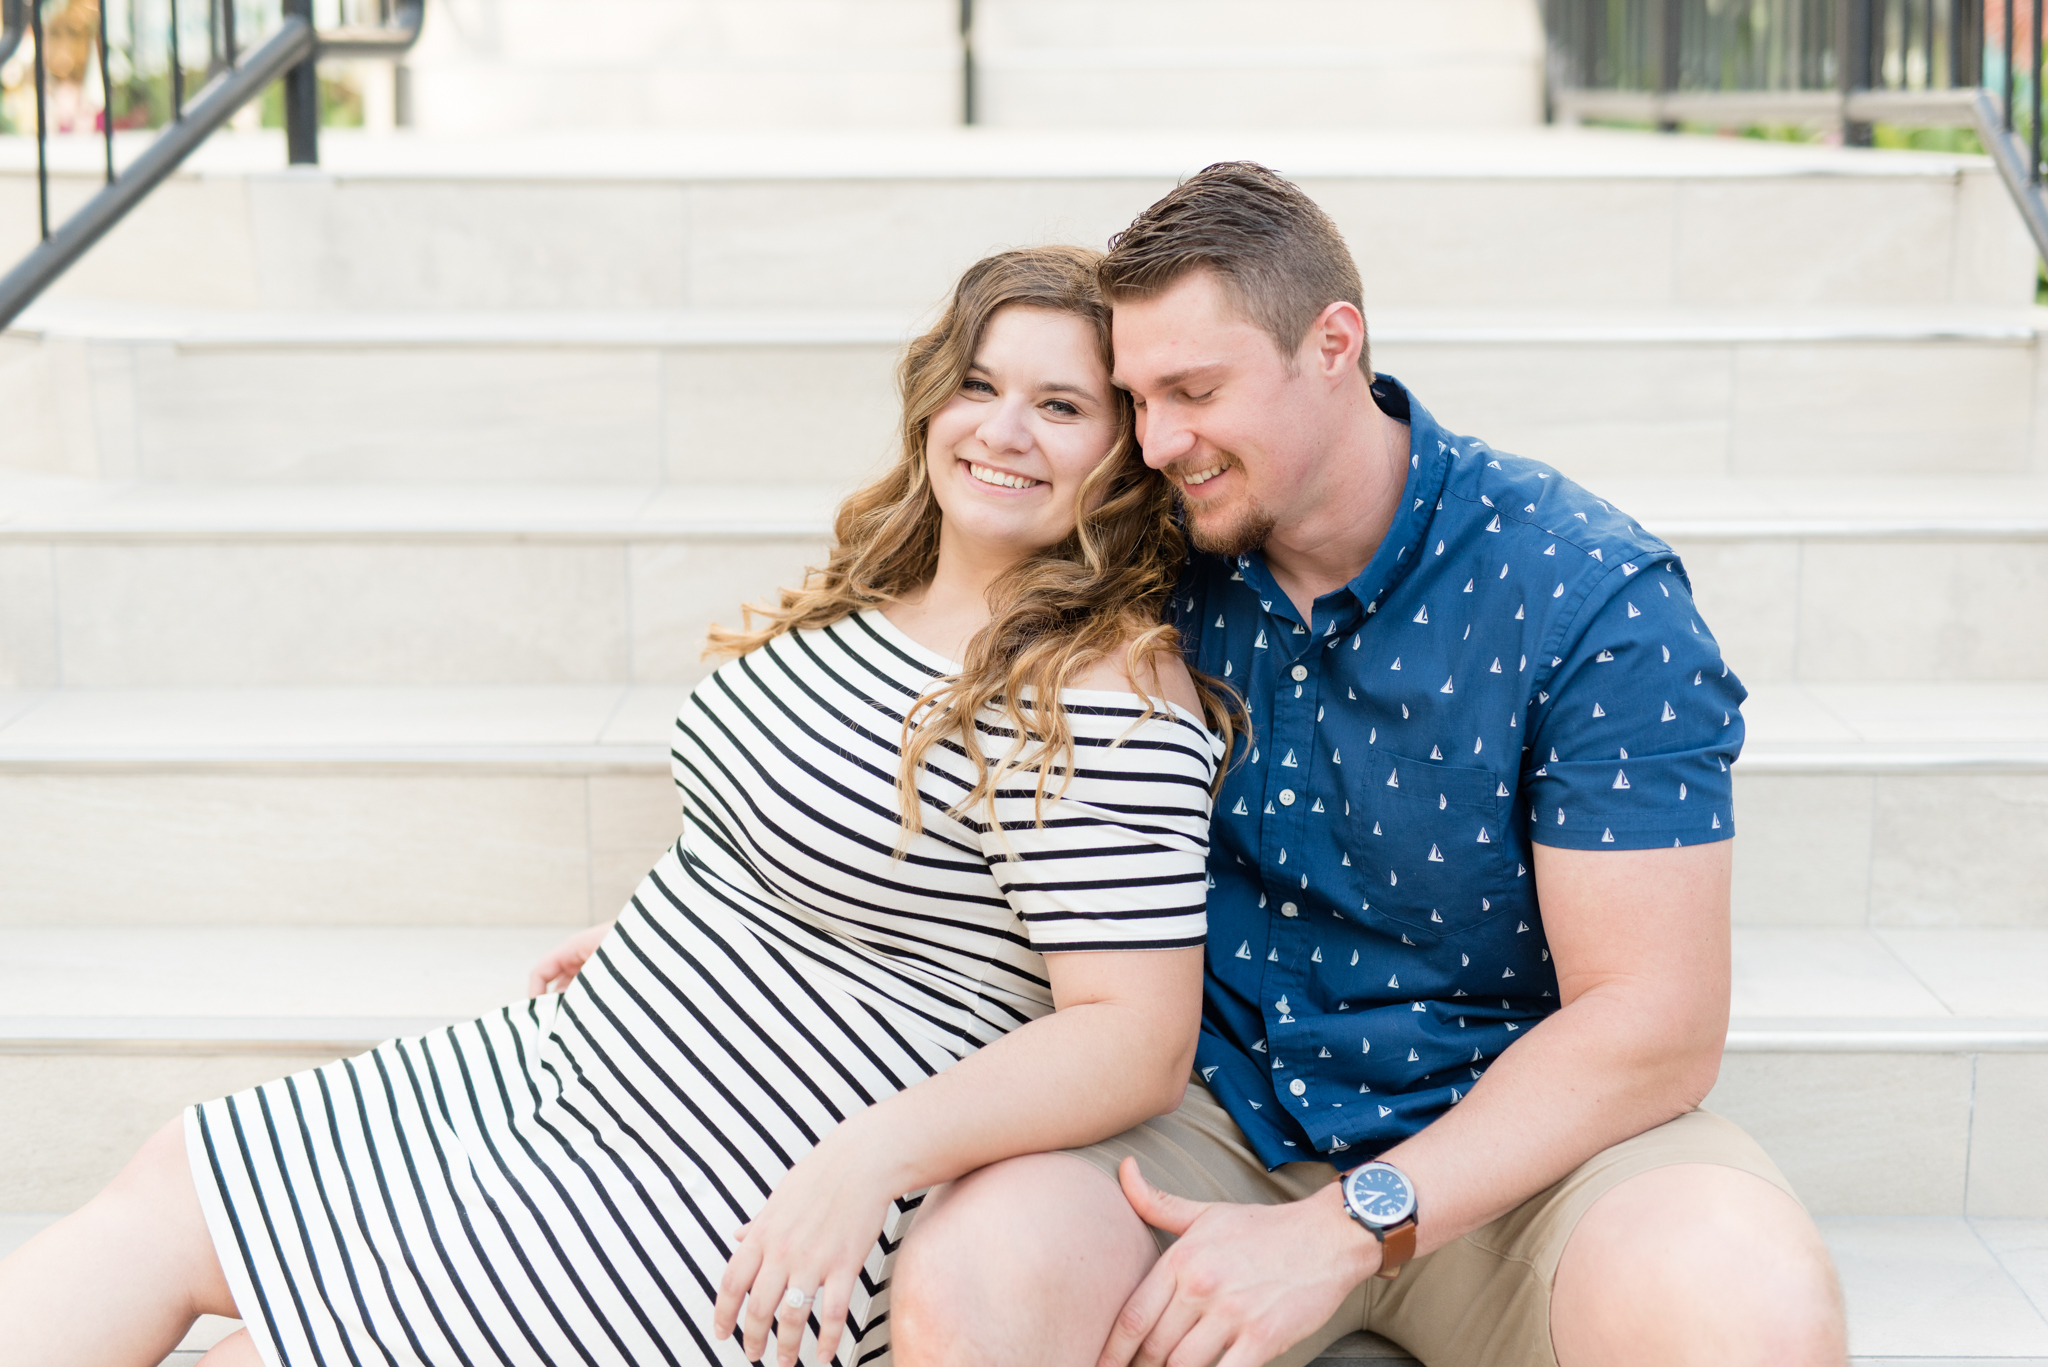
918	921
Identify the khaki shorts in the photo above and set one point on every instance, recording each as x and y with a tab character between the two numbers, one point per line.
1482	1301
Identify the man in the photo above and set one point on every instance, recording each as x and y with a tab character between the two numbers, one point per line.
1469	898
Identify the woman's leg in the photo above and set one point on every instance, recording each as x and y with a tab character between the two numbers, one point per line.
235	1350
120	1281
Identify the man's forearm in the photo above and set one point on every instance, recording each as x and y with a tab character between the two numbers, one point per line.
1603	1069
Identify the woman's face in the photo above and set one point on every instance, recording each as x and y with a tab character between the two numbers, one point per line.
1008	452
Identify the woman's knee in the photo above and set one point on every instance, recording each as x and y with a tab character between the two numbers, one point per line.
987	1252
159	1169
153	1204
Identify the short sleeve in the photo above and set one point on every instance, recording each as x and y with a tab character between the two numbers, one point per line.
1120	861
1636	726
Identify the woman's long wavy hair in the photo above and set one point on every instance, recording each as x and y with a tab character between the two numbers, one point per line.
1104	587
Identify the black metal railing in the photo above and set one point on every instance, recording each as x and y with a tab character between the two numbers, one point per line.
290	54
1846	65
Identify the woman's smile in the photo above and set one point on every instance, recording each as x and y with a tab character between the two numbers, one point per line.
1000	479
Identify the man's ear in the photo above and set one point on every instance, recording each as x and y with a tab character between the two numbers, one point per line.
1335	340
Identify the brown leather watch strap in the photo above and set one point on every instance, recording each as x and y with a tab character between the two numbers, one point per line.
1396	1248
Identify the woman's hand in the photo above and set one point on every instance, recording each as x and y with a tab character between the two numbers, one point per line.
562	963
811	1238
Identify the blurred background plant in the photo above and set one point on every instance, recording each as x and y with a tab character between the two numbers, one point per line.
139	55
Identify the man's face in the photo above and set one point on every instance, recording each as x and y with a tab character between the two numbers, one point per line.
1221	412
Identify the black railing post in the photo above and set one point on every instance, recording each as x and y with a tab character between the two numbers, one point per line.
35	29
2005	37
1855	29
1965	42
106	94
302	98
2034	84
177	70
969	114
1670	52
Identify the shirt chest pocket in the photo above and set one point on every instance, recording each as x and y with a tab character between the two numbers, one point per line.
1431	841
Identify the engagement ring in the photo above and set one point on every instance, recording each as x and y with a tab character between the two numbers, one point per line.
794	1299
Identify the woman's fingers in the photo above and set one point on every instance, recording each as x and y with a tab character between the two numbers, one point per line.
790	1321
835	1297
732	1287
763	1299
566	960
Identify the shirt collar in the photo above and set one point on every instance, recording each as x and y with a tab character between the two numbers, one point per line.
1342	610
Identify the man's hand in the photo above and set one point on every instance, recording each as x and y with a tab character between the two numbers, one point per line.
1244	1283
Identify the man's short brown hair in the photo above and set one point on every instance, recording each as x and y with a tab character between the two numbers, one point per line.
1277	253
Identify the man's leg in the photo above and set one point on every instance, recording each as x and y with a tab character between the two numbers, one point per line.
1022	1264
1696	1264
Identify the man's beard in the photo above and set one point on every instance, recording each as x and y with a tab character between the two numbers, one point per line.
1241	536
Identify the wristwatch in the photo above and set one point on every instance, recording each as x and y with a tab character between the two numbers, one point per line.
1380	1197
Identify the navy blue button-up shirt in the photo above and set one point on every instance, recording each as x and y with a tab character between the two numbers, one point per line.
1520	663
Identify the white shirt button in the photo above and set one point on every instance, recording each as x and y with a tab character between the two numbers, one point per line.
1289	909
1299	672
1287	797
1297	1086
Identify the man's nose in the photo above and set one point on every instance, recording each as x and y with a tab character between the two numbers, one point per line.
1163	440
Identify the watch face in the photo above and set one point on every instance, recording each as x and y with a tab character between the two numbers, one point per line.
1380	1193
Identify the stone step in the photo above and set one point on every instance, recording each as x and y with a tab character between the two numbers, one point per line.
873	219
158	393
798	63
1853	1055
125	585
1920	1292
1860	804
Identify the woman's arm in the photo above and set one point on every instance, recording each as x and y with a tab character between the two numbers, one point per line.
1115	1051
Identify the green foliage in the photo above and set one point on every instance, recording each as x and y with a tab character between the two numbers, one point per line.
341	104
1927	139
1890	136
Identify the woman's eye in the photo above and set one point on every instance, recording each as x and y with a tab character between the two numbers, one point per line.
1063	408
977	386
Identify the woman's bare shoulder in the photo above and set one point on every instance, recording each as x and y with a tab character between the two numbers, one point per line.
1165	676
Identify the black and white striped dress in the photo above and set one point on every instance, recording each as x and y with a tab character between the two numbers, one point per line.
557	1182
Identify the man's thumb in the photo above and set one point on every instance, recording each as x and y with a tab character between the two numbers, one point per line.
1159	1209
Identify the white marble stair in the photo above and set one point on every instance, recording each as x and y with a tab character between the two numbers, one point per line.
139	584
807	395
1852	1054
1859	805
108	1030
874	219
1937	1292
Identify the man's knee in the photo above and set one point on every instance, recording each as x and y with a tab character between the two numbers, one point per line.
1717	1261
990	1254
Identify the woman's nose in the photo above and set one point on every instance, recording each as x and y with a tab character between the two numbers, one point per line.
1004	428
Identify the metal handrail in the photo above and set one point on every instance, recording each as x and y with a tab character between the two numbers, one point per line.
290	55
1870	62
